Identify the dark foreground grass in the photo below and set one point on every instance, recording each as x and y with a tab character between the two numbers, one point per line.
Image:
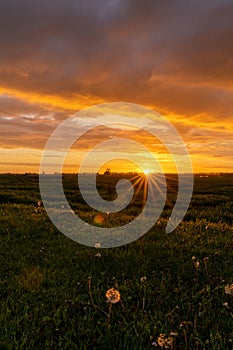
52	290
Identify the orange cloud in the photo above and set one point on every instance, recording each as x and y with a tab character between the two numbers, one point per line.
56	60
74	103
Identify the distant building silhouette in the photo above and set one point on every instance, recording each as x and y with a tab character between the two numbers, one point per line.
107	171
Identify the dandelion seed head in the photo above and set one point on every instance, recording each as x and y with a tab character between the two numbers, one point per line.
182	324
164	342
173	334
113	295
143	279
229	289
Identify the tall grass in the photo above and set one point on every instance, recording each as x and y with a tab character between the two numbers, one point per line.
172	287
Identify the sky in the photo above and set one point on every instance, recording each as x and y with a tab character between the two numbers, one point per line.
60	57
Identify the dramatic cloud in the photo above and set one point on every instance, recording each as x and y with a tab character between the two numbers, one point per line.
57	57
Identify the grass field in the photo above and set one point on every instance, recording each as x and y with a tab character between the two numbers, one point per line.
52	289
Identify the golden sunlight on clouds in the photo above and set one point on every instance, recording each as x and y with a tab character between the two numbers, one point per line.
19	160
57	60
74	103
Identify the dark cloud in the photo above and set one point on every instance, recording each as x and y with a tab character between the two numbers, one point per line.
173	55
116	49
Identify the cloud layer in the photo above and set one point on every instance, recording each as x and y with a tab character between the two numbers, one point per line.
59	56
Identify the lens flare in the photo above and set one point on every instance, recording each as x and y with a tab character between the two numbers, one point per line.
119	120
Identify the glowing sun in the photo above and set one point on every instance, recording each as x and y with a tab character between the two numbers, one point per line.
147	171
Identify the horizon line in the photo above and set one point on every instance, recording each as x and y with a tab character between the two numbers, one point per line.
119	173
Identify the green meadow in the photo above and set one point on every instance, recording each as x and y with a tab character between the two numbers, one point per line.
175	289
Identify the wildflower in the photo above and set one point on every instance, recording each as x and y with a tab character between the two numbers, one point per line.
183	323
161	340
143	279
98	255
196	262
113	296
229	289
97	245
164	342
173	334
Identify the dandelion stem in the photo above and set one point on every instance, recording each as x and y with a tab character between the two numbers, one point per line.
186	340
109	313
92	302
143	303
99	308
90	293
122	306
